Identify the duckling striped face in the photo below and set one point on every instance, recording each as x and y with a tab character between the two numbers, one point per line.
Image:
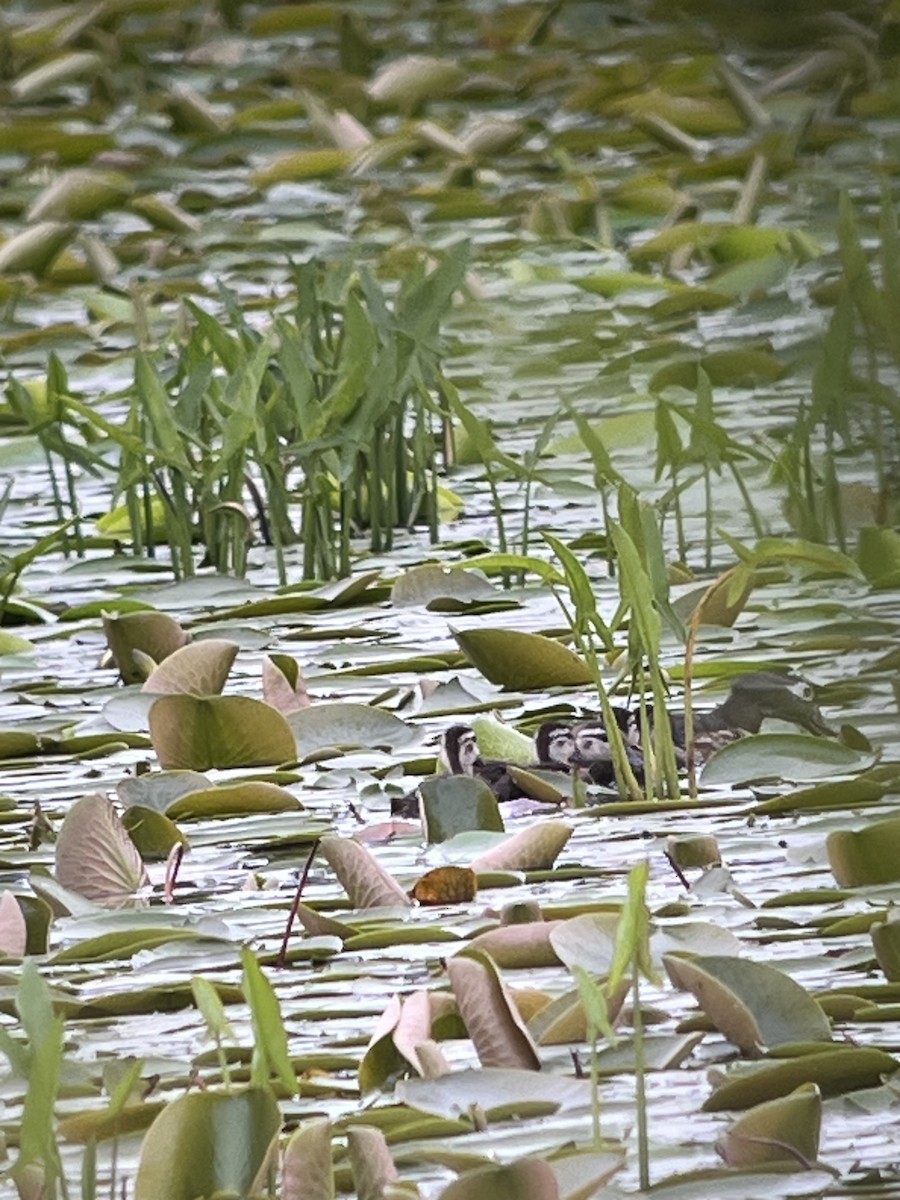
591	743
459	750
554	742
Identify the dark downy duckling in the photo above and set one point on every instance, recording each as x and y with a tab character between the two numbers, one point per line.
593	753
554	747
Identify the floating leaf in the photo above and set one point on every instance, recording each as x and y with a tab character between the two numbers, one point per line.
492	1020
233	800
419	586
752	1003
784	1130
347	726
494	1090
406	82
13	930
155	633
445	885
95	857
198	669
519	946
153	833
496	740
792	756
522	661
34	248
534	849
283	684
886	941
159	789
366	883
199	732
81	193
208	1142
371	1162
301	164
525	1179
306	1167
865	856
834	1071
452	804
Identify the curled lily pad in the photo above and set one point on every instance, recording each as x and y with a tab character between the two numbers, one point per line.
366	883
752	1003
347	725
492	1020
865	856
95	857
13	929
152	832
835	1071
534	849
522	661
306	1168
198	669
283	684
199	732
525	1179
155	633
452	804
783	1130
208	1142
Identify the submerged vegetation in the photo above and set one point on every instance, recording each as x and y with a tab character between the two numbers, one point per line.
369	369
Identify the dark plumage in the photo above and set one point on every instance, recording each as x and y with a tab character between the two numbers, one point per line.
554	747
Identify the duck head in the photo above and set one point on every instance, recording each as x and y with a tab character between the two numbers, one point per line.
786	697
554	743
459	750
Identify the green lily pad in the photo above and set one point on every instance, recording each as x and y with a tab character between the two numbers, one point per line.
159	789
152	832
865	856
199	732
198	669
420	586
522	661
232	800
208	1143
792	756
347	726
452	804
834	1071
752	1003
783	1130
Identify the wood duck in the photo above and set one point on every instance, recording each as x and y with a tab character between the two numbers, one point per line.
751	699
554	748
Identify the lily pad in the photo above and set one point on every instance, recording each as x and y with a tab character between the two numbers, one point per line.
753	1004
452	804
420	586
791	756
522	661
232	800
834	1071
198	669
95	857
865	856
784	1130
199	732
347	726
208	1142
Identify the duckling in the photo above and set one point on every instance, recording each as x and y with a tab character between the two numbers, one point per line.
593	754
554	748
